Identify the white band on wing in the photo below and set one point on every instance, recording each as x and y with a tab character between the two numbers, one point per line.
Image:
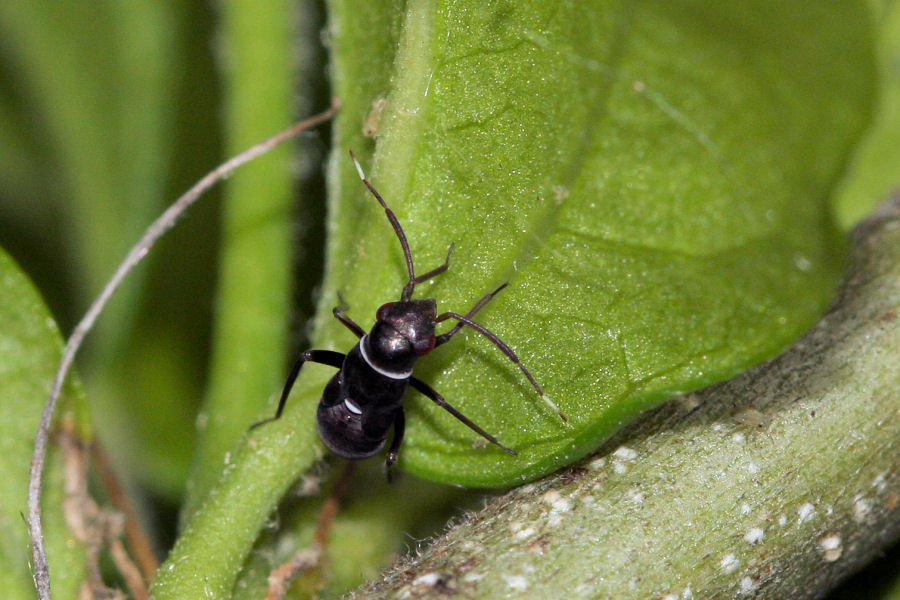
379	370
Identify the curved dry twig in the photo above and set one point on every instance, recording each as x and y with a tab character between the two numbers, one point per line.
160	226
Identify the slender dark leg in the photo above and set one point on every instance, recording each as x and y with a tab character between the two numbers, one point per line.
340	315
506	350
323	357
445	337
434	272
348	322
394	450
430	392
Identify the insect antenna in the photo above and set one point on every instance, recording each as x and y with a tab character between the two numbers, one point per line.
410	286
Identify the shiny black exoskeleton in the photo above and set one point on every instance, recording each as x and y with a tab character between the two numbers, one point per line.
364	400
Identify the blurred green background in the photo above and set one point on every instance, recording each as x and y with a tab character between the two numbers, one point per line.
108	111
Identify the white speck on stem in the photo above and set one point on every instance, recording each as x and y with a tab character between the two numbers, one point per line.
428	579
551	497
729	563
831	547
625	453
516	582
805	513
597	463
561	505
525	533
861	509
748	585
755	536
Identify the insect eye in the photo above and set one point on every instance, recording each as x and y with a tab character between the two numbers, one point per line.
384	311
425	346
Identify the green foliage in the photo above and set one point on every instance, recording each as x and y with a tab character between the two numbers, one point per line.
30	348
652	179
792	464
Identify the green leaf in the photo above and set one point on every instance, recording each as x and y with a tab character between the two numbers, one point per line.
651	178
793	464
29	352
875	172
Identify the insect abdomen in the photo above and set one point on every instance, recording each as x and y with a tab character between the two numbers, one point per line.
358	408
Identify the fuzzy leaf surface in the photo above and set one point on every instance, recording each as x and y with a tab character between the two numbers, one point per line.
652	180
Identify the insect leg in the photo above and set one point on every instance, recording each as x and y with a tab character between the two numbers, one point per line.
427	390
340	315
408	289
445	337
506	350
348	322
394	450
324	357
432	273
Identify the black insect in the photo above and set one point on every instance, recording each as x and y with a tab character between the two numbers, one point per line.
365	398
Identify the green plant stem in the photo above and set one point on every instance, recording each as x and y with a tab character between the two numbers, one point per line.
777	484
255	262
215	543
